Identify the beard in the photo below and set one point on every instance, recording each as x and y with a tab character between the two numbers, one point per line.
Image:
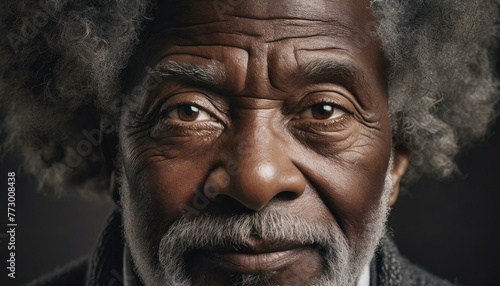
343	259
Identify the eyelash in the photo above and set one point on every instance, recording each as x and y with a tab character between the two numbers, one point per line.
163	113
164	124
338	123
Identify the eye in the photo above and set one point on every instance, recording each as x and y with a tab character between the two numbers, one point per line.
188	113
321	111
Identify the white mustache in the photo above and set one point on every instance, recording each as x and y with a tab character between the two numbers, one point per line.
211	231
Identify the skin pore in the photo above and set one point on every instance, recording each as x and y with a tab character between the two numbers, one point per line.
264	151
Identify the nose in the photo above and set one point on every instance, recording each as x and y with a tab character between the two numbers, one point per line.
257	174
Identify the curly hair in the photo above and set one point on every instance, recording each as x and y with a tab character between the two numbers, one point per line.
62	66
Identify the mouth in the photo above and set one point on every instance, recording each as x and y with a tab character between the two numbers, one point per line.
255	256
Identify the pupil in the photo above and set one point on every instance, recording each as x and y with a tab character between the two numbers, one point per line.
322	111
188	112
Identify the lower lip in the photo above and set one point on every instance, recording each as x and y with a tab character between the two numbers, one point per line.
252	263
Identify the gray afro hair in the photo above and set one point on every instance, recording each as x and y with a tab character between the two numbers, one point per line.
62	66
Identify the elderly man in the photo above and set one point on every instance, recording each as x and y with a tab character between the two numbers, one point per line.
246	142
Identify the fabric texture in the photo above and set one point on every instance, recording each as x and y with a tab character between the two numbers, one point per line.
105	266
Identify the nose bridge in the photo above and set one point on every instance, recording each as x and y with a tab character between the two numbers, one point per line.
258	158
262	170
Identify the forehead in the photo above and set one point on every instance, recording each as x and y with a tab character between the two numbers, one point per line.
274	31
265	21
236	14
186	13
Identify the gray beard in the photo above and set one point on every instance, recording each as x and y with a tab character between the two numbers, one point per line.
343	260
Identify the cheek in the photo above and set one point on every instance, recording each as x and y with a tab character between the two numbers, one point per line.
350	179
174	188
168	185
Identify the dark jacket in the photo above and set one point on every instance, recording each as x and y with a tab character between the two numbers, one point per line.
104	267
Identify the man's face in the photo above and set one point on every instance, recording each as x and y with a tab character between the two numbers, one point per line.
262	157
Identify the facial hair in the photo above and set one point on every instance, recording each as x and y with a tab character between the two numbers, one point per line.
342	260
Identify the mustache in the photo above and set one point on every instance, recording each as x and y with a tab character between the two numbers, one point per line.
211	231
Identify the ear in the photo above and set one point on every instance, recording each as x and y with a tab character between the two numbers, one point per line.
401	160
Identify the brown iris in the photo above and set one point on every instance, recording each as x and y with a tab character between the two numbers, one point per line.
322	111
188	112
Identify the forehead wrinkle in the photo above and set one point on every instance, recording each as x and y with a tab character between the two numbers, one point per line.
258	71
279	65
293	21
311	28
269	29
234	32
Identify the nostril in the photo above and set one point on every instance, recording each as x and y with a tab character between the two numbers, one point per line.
228	205
287	196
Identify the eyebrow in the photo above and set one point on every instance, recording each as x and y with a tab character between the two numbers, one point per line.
204	75
342	72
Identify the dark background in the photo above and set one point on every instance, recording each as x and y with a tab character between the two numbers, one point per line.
451	228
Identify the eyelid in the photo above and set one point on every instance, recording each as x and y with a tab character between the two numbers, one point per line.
170	110
164	126
196	98
324	97
173	87
336	108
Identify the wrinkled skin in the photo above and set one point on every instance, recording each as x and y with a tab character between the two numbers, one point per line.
288	113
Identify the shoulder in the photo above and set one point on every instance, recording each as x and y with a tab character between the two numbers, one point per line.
393	269
419	276
73	274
